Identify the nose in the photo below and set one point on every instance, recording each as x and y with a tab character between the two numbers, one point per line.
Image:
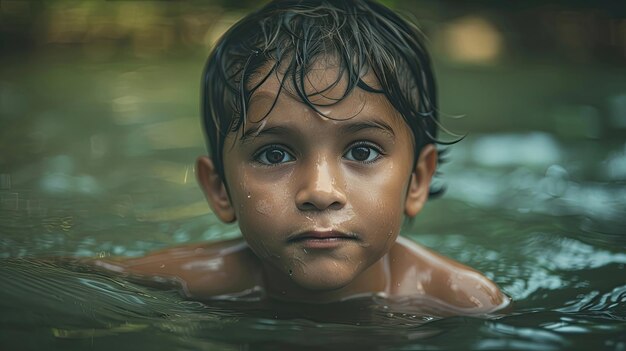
320	188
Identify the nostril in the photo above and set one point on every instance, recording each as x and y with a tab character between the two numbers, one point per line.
321	202
335	205
307	206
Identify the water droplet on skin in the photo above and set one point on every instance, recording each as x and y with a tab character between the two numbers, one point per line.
476	301
390	315
290	272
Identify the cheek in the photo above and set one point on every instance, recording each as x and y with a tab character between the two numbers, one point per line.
266	202
262	207
257	196
379	201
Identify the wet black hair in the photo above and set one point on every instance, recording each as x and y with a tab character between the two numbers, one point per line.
362	35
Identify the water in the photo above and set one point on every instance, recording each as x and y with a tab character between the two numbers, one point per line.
111	173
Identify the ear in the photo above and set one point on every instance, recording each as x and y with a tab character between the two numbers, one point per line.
419	186
214	189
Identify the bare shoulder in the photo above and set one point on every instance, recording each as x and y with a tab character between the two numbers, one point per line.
419	270
201	270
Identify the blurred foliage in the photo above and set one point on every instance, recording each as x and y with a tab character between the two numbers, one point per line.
574	31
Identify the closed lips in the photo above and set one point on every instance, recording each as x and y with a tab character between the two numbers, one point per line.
322	235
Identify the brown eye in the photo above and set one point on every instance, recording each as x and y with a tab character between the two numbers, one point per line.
274	155
362	153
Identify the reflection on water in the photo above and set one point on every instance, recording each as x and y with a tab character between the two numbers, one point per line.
540	176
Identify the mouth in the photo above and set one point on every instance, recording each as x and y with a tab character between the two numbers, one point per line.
322	239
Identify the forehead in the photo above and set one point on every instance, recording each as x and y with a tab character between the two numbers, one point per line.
326	74
326	87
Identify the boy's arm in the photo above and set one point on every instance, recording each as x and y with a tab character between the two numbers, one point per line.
451	282
199	270
466	288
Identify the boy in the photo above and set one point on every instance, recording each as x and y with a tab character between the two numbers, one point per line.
321	118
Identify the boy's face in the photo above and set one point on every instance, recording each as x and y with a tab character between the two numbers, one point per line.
319	200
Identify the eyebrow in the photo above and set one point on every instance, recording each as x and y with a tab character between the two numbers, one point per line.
349	128
256	132
373	124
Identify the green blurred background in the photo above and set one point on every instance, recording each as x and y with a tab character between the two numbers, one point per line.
100	99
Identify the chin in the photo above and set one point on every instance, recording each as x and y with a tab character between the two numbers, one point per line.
321	282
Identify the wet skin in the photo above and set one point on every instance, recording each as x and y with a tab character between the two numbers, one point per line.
320	200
